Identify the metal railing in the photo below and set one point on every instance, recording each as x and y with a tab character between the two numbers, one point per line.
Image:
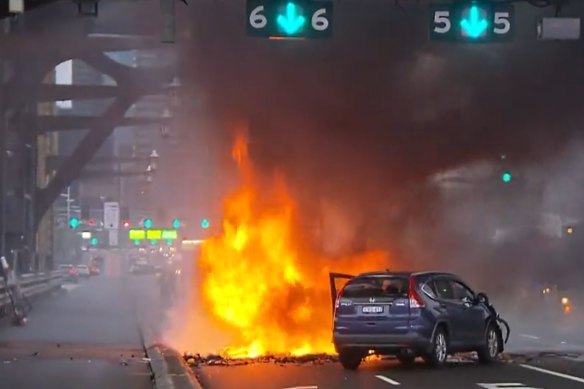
33	284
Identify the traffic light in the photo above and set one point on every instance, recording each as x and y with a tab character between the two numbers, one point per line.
205	224
506	177
73	222
147	223
176	224
94	241
126	224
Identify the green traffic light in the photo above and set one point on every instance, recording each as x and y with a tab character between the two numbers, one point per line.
474	25
136	242
205	224
74	222
176	224
94	241
293	21
506	177
147	223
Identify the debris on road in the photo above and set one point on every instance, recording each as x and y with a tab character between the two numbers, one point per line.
218	360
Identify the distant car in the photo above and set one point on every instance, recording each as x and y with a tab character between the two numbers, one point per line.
71	273
426	314
94	271
83	271
142	267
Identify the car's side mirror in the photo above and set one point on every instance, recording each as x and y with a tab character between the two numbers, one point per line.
467	302
481	298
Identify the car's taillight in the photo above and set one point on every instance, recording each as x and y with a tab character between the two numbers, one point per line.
338	301
414	297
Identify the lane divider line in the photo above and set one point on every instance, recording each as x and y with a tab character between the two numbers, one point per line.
530	336
303	387
388	380
554	373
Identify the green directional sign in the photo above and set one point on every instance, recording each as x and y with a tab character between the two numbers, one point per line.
289	19
292	20
472	22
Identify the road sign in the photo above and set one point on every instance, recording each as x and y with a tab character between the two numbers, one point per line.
16	6
472	22
111	215
289	18
113	238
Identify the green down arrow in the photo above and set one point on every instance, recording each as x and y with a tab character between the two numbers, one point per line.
474	26
292	22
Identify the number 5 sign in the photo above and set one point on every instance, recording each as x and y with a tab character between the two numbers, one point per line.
472	22
289	18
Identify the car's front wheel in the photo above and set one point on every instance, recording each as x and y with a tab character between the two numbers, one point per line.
439	349
350	359
488	353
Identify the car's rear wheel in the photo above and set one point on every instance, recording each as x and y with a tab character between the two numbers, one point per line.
439	349
350	359
488	353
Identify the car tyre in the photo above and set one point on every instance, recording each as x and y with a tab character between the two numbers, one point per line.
350	359
439	349
490	350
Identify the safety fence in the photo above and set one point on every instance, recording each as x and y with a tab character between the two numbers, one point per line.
33	285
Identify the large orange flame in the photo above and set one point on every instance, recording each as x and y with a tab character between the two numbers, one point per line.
261	281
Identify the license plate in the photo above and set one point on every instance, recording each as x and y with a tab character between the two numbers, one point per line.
372	309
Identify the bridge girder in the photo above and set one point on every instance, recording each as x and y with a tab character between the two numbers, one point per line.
131	85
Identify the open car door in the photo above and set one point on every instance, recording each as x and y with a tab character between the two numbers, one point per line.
337	281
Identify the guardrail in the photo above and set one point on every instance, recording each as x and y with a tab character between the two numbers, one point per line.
34	284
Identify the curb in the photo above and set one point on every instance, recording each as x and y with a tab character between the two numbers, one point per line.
169	369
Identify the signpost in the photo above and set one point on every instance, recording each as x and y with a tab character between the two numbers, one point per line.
472	22
289	19
111	215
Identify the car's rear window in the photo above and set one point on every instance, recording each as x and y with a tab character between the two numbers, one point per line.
377	286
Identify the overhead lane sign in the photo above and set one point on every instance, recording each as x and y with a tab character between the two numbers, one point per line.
472	22
289	19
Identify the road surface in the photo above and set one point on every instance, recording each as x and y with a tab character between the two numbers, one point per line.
550	360
88	336
546	373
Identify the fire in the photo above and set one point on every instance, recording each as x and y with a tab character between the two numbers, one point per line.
260	280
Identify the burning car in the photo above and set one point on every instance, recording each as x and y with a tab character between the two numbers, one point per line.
411	314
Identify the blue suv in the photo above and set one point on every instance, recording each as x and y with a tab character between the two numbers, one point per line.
426	314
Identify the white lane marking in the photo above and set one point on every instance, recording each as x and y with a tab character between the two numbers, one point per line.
388	380
554	373
302	387
530	336
70	287
505	385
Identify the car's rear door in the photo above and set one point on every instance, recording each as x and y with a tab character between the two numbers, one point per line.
376	304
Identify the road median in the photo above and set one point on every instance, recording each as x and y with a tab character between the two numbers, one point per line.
169	369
